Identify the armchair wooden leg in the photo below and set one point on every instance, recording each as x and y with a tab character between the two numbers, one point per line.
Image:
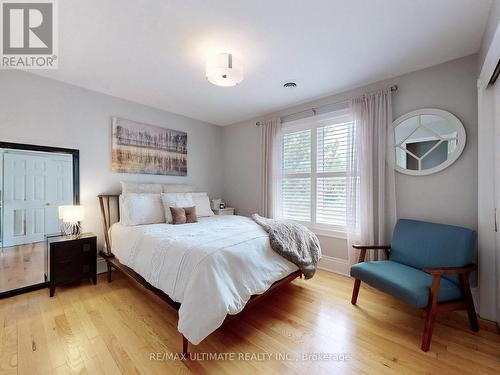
431	314
469	302
185	343
355	291
428	327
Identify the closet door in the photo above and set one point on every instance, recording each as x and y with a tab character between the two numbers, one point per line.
496	119
59	190
488	214
34	186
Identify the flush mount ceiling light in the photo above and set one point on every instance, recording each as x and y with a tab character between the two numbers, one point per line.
224	70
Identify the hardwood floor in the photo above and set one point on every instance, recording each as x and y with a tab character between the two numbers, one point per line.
21	266
114	328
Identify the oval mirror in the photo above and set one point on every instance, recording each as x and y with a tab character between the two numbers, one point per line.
427	141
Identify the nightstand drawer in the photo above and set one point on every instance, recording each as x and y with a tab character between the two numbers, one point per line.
68	270
63	253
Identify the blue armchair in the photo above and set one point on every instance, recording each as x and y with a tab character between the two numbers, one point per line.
428	267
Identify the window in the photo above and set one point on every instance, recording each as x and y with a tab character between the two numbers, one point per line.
315	155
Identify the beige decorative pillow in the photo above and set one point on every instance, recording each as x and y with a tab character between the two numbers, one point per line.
183	215
178	215
191	216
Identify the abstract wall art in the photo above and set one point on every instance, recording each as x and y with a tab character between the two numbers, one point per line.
147	149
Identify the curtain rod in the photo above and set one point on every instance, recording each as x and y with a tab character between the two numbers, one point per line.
314	110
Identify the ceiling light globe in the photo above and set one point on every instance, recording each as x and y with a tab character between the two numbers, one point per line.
224	70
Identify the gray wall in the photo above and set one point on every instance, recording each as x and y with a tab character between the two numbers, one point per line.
226	161
47	112
449	196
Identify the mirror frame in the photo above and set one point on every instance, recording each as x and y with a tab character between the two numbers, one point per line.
76	196
452	119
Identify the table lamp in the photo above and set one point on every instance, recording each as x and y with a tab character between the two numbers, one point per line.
70	217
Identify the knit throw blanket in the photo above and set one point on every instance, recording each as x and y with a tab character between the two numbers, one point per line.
293	242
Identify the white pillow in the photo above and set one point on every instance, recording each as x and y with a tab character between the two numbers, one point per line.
140	188
202	203
138	209
175	200
176	188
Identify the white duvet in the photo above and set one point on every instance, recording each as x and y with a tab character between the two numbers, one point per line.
212	267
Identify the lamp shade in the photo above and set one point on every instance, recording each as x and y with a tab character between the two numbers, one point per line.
224	70
71	214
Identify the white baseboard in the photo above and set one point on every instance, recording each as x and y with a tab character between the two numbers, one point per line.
475	297
101	265
332	264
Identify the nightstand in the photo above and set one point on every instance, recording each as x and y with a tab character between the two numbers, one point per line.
224	211
70	258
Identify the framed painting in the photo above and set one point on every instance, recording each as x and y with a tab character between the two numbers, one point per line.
147	149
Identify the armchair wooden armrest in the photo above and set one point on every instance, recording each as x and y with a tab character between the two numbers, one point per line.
363	249
372	247
451	270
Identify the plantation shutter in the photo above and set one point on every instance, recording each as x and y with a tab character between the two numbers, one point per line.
296	184
332	151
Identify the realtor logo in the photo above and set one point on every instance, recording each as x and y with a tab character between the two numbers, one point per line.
29	34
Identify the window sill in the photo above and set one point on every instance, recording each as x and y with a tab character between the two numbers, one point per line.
329	233
324	230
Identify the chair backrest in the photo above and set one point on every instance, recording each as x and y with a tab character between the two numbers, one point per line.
420	244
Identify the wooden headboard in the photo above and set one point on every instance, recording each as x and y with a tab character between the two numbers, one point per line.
110	214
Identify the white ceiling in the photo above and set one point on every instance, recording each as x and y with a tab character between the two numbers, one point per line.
154	51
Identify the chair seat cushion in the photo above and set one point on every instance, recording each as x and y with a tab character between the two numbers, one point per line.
406	283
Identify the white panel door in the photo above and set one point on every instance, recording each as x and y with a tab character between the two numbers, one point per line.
35	184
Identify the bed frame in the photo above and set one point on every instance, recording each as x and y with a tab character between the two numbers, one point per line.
110	213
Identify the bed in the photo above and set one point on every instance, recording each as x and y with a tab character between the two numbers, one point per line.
220	265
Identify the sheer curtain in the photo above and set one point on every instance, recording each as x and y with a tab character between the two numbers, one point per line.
371	195
271	168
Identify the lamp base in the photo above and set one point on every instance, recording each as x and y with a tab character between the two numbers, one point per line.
71	229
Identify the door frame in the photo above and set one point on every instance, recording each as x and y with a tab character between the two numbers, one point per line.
488	217
76	194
